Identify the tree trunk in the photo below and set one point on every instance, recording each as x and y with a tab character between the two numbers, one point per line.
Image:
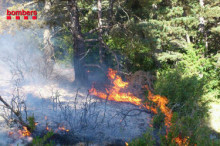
202	27
110	17
188	38
79	44
47	33
99	4
48	47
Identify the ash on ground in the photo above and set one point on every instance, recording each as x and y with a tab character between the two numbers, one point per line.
55	102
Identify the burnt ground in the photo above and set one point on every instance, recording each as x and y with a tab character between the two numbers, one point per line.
30	86
88	118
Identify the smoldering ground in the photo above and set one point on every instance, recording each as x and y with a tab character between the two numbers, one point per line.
49	95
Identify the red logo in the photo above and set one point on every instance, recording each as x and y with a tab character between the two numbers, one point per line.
22	15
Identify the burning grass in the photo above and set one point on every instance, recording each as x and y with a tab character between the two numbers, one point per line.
115	93
24	132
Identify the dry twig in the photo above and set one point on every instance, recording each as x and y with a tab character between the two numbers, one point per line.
17	113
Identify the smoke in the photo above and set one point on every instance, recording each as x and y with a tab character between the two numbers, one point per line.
23	71
20	53
25	78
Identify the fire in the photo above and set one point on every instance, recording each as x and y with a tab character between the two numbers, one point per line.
24	132
181	142
20	133
115	93
48	129
63	129
59	128
10	133
161	103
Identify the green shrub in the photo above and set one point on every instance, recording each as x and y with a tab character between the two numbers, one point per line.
146	140
31	121
37	141
189	85
158	120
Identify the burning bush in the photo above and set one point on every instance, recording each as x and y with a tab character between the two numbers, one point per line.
115	93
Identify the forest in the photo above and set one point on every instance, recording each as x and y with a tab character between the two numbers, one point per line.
110	72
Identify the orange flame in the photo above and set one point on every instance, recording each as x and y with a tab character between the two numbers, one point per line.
181	142
10	133
115	94
63	129
48	129
161	103
24	132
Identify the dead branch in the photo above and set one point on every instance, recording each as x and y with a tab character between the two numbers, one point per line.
85	54
56	32
17	113
91	40
106	100
139	112
125	73
95	29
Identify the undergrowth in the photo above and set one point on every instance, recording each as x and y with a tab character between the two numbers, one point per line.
190	86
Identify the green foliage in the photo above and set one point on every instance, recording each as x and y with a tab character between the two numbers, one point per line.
37	141
31	121
64	47
135	49
189	85
192	128
158	120
180	90
191	79
146	140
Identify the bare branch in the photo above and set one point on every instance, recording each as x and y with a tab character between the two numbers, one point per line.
17	113
85	54
91	40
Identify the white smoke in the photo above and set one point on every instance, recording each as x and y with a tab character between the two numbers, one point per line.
53	96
